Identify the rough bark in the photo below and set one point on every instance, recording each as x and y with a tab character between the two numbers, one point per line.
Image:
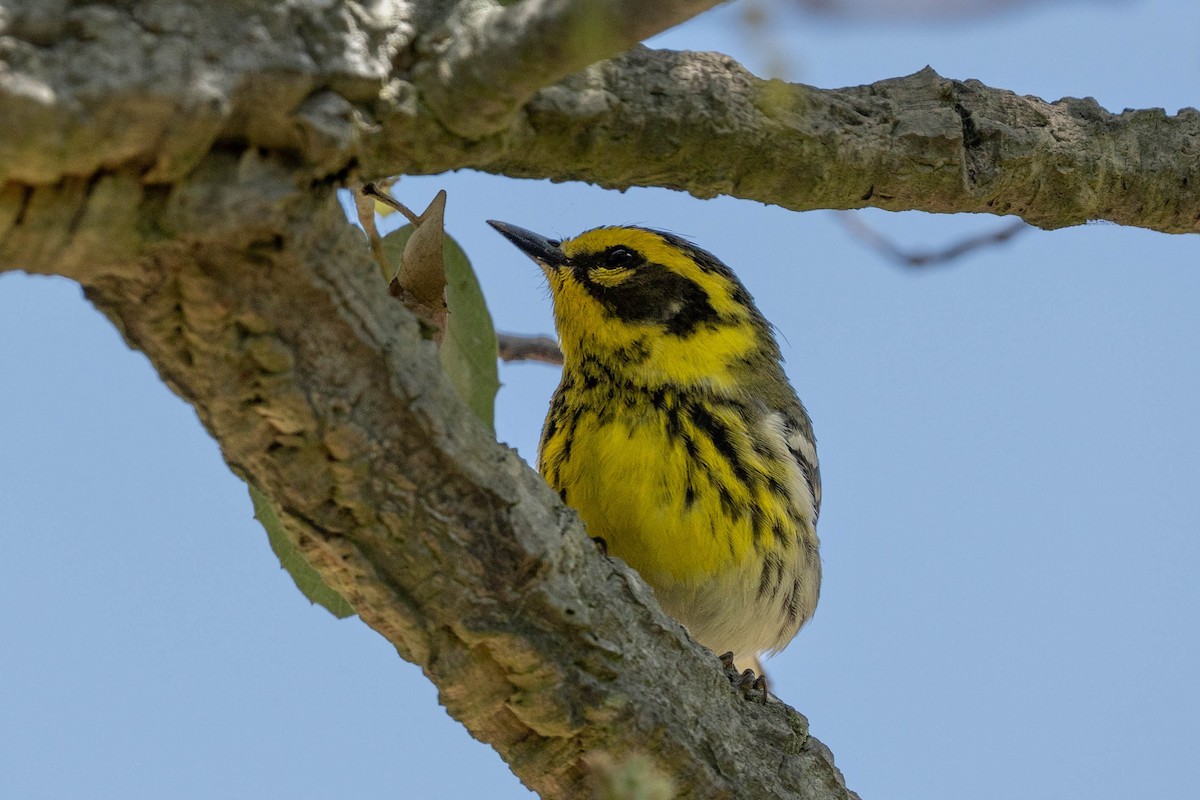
259	305
700	123
340	86
491	59
179	158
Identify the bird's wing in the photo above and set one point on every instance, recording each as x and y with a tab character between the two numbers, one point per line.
798	434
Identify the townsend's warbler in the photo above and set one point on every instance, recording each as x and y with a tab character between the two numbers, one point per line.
676	435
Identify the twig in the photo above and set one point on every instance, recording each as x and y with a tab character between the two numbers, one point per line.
928	258
514	347
371	190
366	217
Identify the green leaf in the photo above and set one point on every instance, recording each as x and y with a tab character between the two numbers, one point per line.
307	579
468	350
469	347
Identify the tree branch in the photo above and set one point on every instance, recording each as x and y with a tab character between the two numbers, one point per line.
920	259
700	123
487	64
258	303
529	348
339	87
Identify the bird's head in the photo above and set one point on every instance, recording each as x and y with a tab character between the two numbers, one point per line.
648	303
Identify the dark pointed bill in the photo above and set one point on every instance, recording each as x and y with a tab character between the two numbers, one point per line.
539	248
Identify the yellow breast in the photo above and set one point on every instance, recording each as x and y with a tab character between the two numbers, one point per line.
657	484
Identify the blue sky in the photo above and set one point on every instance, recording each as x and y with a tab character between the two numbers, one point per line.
1010	450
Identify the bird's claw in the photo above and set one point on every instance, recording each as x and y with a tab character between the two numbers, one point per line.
751	686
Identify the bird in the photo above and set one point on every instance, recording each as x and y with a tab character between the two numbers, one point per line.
676	435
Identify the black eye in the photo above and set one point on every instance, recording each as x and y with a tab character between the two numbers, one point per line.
619	257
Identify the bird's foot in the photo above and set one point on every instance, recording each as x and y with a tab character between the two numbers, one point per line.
751	686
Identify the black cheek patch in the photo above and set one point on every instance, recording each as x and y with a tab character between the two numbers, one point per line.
655	294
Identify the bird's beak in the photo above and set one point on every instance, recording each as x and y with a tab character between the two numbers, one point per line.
545	252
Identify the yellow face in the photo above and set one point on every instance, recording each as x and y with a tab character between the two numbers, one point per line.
650	304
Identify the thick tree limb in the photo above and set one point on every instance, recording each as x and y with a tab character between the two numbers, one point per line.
338	86
700	123
490	62
259	305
